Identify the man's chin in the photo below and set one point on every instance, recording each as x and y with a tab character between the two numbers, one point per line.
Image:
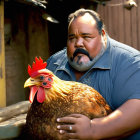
82	66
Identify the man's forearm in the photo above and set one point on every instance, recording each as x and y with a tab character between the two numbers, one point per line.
122	122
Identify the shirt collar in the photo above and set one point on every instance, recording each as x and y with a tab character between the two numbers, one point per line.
63	63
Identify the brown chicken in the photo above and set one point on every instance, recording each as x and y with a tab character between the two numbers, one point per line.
52	97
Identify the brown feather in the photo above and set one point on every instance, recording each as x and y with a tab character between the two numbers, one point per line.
63	98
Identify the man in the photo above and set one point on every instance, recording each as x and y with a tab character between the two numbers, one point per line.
112	68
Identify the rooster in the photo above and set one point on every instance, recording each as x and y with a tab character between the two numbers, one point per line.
52	97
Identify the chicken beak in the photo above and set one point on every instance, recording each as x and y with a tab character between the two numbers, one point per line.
29	82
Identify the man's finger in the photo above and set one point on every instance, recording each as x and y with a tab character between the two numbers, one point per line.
75	115
71	120
73	139
69	128
71	136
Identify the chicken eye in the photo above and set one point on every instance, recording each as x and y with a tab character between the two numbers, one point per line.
49	79
44	83
41	77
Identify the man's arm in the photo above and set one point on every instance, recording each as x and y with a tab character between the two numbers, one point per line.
123	121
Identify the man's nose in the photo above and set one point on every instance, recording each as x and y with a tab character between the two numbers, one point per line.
79	42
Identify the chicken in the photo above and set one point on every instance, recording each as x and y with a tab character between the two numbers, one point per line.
52	97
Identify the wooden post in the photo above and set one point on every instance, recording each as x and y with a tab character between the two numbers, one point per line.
2	58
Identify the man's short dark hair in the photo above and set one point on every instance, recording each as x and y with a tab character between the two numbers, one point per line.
95	15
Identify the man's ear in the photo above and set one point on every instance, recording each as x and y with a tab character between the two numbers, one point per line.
103	32
104	36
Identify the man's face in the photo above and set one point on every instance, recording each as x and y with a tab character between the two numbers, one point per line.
84	41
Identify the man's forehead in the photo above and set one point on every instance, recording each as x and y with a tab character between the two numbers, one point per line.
88	18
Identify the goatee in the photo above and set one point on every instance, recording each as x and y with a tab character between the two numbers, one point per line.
81	66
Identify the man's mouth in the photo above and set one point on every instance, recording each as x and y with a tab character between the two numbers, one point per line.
78	53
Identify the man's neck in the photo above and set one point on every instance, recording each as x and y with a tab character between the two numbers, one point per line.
78	74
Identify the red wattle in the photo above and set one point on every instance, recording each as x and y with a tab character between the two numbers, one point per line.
41	95
33	91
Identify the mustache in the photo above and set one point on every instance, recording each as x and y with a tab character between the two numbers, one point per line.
80	50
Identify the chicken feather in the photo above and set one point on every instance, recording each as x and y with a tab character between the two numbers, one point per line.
61	99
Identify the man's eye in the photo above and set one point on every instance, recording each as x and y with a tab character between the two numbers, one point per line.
70	38
41	77
87	37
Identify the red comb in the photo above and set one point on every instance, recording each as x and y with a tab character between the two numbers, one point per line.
37	65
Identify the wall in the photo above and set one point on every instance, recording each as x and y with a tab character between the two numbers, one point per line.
122	24
26	36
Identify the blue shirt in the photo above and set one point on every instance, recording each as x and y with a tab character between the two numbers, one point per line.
116	75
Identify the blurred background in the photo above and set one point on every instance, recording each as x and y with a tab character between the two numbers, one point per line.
30	28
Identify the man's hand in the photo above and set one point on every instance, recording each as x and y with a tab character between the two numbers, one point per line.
75	126
122	122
